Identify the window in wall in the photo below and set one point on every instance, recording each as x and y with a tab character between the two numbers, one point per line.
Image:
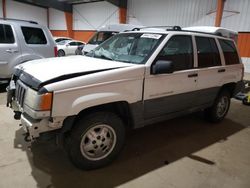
208	54
34	35
178	49
229	51
6	34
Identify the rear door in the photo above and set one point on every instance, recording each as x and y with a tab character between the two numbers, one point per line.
211	70
174	92
37	42
71	48
233	68
9	50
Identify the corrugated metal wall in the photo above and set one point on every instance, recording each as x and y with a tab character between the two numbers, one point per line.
189	13
169	12
236	15
57	20
91	16
26	12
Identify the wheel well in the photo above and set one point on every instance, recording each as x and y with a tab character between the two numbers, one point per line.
229	87
120	108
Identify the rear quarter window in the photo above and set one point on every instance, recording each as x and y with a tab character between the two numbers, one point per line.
34	35
229	51
6	34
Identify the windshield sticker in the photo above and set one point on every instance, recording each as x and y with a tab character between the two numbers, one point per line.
151	36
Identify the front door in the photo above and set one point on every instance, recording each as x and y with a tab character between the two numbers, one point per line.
173	92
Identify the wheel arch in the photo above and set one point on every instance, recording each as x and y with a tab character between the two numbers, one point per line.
230	87
120	108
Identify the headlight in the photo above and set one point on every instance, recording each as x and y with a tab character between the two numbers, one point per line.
38	102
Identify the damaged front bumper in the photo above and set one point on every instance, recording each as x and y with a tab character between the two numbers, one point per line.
34	127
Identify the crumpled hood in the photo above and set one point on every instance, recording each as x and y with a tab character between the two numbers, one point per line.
44	70
47	69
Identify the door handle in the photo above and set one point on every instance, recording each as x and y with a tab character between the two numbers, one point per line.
192	75
222	70
11	51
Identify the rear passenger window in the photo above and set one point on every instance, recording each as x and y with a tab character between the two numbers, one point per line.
208	53
6	34
229	51
33	35
178	49
73	44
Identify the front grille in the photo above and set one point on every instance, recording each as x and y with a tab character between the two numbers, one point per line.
20	93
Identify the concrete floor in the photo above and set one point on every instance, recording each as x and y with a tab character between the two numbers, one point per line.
184	152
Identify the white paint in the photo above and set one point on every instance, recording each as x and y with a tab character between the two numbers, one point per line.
26	12
92	16
68	65
1	8
57	20
167	12
246	62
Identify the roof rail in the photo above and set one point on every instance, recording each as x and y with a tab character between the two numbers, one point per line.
215	31
13	19
168	28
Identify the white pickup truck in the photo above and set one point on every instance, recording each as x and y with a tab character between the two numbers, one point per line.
134	79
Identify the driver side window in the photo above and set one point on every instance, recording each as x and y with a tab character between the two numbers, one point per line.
179	50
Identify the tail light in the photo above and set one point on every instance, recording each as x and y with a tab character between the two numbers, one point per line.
55	51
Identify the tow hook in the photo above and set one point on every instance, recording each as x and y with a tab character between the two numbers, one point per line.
17	115
27	137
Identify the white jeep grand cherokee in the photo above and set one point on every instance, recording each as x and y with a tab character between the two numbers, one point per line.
134	79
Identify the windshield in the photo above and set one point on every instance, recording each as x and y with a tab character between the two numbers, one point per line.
100	37
128	47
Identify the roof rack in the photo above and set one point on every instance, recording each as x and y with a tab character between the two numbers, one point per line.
13	19
168	28
216	31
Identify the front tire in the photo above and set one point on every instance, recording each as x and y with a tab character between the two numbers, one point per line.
96	140
219	110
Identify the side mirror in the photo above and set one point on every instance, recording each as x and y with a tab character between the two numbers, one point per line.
67	45
163	67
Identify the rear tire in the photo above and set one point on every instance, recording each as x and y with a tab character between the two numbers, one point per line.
60	53
96	140
219	110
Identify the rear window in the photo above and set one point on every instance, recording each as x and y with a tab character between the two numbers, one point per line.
6	34
34	35
229	51
100	37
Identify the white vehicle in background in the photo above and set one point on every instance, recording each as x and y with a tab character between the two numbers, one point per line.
105	33
59	39
68	47
22	41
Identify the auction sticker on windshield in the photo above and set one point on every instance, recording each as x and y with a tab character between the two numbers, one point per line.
151	36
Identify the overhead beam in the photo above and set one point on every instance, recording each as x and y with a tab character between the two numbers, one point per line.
49	4
119	3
